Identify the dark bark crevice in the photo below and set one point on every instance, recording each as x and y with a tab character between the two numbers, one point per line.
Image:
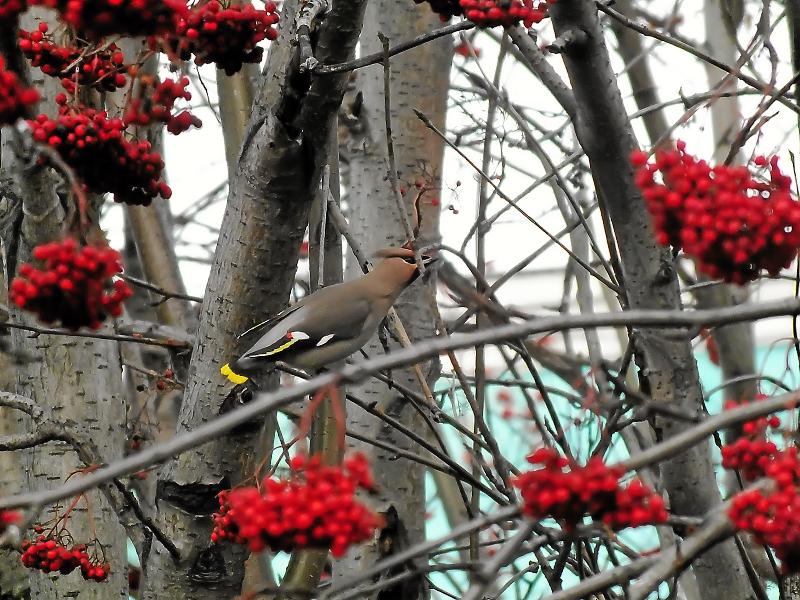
193	498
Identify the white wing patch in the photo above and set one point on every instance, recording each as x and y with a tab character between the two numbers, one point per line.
325	339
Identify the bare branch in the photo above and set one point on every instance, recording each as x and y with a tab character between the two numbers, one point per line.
267	402
136	339
309	11
764	88
374	59
19	402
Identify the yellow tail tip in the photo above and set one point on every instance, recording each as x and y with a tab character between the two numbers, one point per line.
232	377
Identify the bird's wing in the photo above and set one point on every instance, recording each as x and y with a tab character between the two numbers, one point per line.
313	325
273	320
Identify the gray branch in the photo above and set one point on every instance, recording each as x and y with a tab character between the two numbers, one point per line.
266	402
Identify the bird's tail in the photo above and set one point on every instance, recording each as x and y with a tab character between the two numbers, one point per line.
232	377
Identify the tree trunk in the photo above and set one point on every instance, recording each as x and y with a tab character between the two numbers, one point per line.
72	379
13	575
419	79
667	367
643	85
252	274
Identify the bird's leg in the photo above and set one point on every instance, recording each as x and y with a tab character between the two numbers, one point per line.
382	336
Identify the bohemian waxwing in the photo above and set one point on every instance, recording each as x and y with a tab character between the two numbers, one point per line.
333	322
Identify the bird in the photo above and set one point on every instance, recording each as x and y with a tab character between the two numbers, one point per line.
333	322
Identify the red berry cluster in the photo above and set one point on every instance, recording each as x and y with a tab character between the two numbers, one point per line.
773	517
156	101
315	508
94	146
95	19
50	556
8	517
101	67
225	36
731	224
567	492
749	456
752	452
494	13
10	9
74	287
166	380
14	97
759	426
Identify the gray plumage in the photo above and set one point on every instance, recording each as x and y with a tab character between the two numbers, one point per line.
332	323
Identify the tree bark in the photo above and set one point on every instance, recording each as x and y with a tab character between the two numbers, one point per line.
419	79
13	575
252	274
667	367
73	379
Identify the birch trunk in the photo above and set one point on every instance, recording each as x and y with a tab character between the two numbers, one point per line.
77	380
419	79
252	274
13	575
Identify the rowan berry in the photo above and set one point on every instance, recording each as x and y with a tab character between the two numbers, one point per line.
8	517
51	555
75	286
155	102
14	97
773	516
226	36
96	148
10	9
95	19
315	508
732	224
102	67
568	492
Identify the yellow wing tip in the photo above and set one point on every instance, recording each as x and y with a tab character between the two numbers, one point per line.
232	377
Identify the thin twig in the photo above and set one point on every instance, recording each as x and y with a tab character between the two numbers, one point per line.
268	401
424	118
373	59
160	291
323	222
309	11
167	343
672	41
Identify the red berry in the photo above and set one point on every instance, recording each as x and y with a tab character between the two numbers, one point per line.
101	68
96	149
15	99
315	508
74	286
733	225
226	37
570	492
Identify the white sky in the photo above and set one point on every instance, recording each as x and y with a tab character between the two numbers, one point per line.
196	161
